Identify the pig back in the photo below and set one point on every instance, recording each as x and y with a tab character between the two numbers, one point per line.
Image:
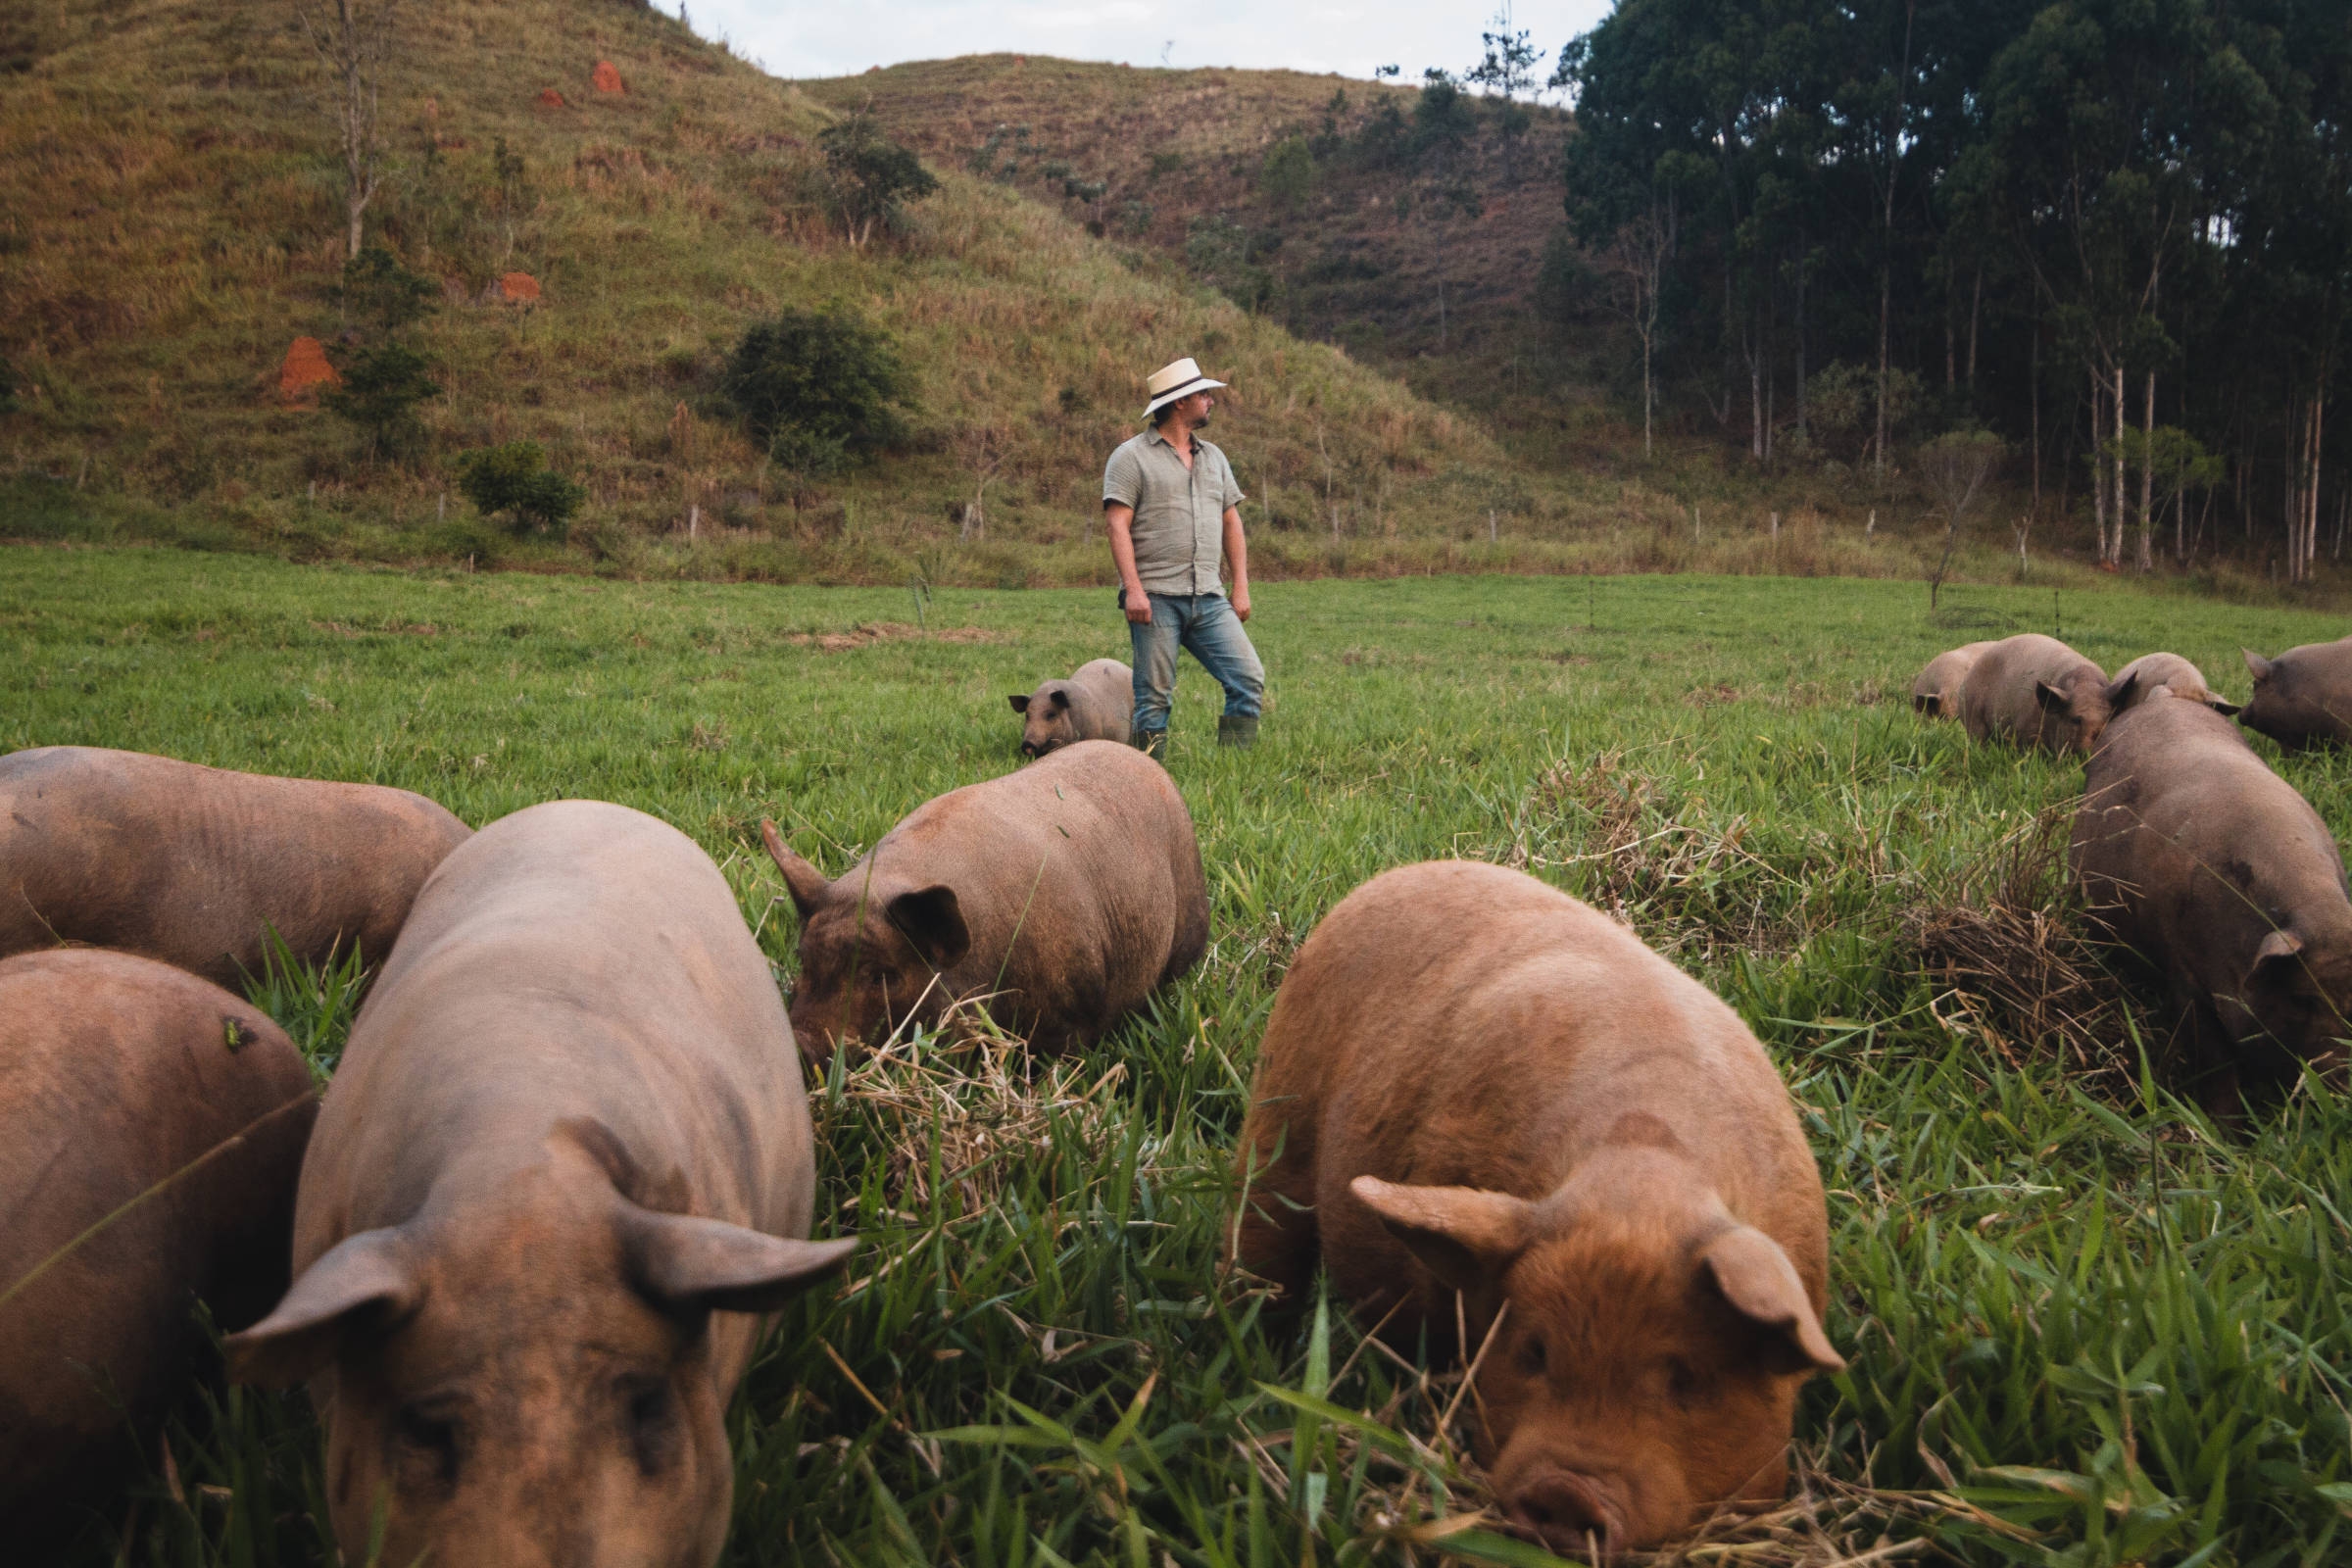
574	961
2190	847
194	865
1457	1024
115	1073
1107	703
2304	695
2000	699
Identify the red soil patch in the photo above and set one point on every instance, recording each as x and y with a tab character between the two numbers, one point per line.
607	78
519	288
552	98
890	631
305	369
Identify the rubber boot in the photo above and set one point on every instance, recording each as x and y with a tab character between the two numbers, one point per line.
1152	743
1236	730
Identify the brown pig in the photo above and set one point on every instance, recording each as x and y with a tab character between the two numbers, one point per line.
2135	681
1936	691
116	1075
562	1171
2188	847
1473	1083
2031	690
2303	697
1064	894
1094	704
195	865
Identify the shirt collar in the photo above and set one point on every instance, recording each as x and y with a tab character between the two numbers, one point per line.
1155	433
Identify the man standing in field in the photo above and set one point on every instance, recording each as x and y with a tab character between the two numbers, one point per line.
1175	511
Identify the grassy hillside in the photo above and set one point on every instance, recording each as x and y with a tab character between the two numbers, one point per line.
172	222
2082	1326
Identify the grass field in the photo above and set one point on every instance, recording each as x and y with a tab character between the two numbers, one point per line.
2082	1327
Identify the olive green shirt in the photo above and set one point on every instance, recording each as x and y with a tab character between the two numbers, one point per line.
1179	529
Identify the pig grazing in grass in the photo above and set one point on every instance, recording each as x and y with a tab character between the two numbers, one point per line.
1061	895
2188	847
1095	705
2137	681
564	1167
116	1075
195	865
2303	697
2031	690
1936	691
1473	1083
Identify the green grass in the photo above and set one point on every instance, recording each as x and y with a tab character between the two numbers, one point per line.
2081	1327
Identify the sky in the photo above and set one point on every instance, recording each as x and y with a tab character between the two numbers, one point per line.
848	35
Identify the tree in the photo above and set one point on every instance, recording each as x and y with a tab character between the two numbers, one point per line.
515	481
819	377
1956	467
873	177
352	40
1289	172
379	394
1637	262
1507	70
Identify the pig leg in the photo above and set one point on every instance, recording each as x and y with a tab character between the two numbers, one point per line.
2213	1057
1275	1235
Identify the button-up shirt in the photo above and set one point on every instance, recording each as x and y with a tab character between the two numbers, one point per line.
1179	529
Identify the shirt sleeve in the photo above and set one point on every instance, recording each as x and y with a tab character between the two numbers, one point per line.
1122	478
1233	496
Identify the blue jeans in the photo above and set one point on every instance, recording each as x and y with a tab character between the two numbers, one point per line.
1206	624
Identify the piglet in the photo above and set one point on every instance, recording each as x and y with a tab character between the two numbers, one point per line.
1473	1083
1936	691
2031	690
1096	704
563	1170
2303	697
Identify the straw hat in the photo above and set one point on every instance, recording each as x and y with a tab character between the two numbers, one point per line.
1172	382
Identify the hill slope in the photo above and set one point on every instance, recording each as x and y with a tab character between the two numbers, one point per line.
173	192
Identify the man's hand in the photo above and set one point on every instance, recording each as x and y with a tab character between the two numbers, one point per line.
1241	601
1139	607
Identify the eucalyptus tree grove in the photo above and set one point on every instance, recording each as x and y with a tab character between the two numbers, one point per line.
2118	232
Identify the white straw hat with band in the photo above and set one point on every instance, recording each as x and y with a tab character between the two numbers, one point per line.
1172	382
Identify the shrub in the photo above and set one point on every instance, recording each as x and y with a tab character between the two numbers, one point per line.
8	386
872	176
379	295
514	479
380	392
1844	406
816	382
1288	175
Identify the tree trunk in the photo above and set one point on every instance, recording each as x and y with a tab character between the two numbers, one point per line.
2098	470
1976	311
2115	556
2147	473
2034	395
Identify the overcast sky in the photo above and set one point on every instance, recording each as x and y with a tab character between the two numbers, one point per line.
848	35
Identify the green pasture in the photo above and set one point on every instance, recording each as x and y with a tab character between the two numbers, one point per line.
2084	1327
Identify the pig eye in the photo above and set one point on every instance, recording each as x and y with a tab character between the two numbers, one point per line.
429	1442
1532	1358
650	1420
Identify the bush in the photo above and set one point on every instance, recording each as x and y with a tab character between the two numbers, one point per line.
379	295
380	392
514	479
1288	175
7	386
872	176
816	382
1844	408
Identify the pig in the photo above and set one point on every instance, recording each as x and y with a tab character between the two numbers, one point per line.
117	1074
1474	1082
2190	849
2133	683
1059	896
1936	691
2031	690
196	865
2303	698
1096	704
562	1172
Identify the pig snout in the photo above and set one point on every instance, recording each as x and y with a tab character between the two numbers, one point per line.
1032	749
1569	1511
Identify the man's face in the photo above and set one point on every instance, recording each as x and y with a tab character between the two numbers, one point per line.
1193	410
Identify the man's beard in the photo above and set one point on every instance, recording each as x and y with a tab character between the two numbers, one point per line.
1201	423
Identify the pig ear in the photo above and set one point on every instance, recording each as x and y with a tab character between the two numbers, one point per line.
804	882
2278	948
2049	697
2256	665
1756	1277
364	1280
682	1263
1019	701
2225	708
932	920
1464	1235
1062	700
2119	692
